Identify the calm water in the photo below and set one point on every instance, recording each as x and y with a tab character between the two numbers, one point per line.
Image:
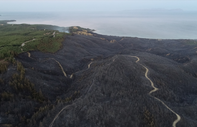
145	24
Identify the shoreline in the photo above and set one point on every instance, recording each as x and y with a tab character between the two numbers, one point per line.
66	30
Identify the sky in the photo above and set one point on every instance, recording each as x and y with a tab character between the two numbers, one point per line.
93	5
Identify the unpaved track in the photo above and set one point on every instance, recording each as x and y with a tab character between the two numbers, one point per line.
60	67
29	54
51	125
152	84
72	75
89	65
23	44
152	91
156	89
53	34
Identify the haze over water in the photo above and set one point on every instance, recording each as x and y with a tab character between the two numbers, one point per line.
157	24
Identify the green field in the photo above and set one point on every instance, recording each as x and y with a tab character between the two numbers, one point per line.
38	37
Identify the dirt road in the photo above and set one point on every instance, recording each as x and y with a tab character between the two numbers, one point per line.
156	89
23	44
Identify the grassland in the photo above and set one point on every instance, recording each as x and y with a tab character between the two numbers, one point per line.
39	37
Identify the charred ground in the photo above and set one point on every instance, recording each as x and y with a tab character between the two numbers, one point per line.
112	92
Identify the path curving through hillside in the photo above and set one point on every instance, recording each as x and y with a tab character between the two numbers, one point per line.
146	75
51	125
60	67
89	64
58	64
23	44
29	54
57	115
53	34
156	89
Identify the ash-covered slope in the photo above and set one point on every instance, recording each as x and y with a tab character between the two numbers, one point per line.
106	84
116	93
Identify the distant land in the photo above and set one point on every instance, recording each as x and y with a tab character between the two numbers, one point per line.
6	21
50	78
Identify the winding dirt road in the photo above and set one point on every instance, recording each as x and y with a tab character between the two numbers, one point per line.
89	65
156	89
146	75
152	84
51	125
23	44
60	67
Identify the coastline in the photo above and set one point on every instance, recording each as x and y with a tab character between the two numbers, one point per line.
175	29
93	31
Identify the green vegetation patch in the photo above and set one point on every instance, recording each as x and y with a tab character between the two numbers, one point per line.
46	44
18	38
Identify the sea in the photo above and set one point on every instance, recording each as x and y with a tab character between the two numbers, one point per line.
153	24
